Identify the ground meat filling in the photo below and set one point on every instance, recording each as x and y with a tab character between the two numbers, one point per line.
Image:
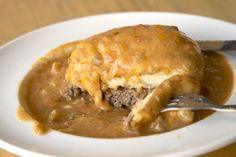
121	97
70	92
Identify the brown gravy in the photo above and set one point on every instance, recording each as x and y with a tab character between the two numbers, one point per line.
40	96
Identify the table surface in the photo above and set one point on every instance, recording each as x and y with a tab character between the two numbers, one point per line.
20	16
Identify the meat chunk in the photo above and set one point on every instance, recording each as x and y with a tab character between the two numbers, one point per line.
70	92
123	97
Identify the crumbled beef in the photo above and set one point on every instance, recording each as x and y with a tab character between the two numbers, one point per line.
70	92
123	97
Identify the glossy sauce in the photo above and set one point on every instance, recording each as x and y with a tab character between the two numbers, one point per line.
40	96
218	80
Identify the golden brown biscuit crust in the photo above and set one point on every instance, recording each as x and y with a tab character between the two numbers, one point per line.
132	51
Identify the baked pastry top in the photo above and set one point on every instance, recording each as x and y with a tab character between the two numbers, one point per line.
141	56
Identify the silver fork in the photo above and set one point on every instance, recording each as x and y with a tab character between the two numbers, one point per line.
196	102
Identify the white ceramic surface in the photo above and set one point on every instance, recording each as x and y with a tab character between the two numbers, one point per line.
17	56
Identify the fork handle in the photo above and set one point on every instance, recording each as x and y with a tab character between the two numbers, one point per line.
225	108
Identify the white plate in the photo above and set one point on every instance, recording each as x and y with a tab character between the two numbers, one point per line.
17	56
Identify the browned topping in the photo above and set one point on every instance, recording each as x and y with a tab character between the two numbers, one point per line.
133	52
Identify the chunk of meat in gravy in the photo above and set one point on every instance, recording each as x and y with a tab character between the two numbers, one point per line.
123	97
70	92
